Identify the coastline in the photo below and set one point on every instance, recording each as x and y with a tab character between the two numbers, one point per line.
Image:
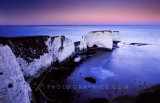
59	70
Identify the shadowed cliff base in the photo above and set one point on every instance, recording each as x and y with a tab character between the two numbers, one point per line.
45	87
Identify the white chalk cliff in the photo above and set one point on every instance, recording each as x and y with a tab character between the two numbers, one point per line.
13	88
115	36
83	44
100	39
25	56
59	49
62	48
36	53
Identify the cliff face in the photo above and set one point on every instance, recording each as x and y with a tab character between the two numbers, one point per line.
83	44
25	56
99	38
61	47
13	88
35	53
115	36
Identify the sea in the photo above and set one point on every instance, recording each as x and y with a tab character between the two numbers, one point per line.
133	33
127	69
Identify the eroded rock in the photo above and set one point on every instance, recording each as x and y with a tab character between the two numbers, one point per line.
99	100
37	53
115	36
13	88
90	79
102	39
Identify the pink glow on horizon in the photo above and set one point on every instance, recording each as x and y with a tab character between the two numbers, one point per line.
102	13
94	17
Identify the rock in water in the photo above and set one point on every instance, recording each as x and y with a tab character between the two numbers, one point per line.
13	88
77	59
83	44
101	39
115	36
90	79
99	100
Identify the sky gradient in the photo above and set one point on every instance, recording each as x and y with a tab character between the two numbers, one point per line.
72	12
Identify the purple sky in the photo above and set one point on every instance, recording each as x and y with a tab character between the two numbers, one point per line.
52	12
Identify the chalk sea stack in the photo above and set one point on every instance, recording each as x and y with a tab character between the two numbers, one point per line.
115	36
101	39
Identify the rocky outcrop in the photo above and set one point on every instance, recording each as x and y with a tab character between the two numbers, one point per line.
115	36
13	88
90	79
83	44
22	57
101	39
36	53
61	48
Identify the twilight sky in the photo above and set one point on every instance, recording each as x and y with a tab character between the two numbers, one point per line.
53	12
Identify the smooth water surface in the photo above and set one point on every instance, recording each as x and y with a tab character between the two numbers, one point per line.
142	34
125	70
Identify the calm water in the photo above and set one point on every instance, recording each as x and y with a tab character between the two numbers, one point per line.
125	70
145	34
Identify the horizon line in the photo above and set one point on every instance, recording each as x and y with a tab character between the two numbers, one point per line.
82	25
